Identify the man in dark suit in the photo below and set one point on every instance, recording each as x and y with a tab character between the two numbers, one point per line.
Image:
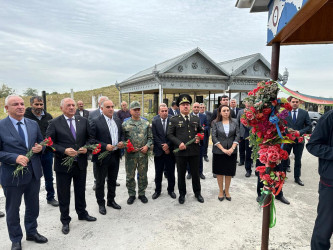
163	155
106	130
298	120
37	113
203	123
183	128
94	114
81	111
17	136
321	146
69	134
224	101
207	130
233	106
174	110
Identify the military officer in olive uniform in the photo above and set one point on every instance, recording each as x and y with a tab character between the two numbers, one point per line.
138	131
183	128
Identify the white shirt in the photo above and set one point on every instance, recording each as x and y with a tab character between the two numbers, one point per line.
113	130
81	112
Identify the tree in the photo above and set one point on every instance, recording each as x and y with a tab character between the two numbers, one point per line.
30	92
6	91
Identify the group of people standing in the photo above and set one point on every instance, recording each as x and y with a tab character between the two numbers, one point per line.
170	130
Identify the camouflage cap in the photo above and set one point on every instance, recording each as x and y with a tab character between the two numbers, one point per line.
135	105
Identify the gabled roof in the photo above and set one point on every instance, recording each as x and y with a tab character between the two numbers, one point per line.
168	64
237	65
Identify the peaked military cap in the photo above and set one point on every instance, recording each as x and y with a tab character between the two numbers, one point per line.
135	105
184	98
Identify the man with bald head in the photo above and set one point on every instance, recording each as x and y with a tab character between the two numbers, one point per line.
18	135
81	111
124	112
69	134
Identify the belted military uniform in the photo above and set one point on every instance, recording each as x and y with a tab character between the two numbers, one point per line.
180	131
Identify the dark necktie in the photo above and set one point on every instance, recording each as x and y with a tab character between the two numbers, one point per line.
186	120
164	127
20	131
72	127
294	116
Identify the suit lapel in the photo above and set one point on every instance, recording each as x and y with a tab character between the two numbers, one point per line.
14	132
29	128
106	127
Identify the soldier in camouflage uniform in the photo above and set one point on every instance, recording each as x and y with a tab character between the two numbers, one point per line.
138	131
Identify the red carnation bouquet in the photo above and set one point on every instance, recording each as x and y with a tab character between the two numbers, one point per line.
201	137
129	148
69	160
20	169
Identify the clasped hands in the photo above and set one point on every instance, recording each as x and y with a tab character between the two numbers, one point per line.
226	151
23	160
165	148
110	147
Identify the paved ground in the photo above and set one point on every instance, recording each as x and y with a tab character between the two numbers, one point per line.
165	224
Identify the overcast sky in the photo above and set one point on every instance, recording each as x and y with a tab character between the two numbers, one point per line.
86	44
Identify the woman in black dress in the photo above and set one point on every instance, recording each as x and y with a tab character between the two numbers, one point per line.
225	136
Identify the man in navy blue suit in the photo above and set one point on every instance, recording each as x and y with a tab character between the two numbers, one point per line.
203	123
174	110
164	158
17	136
298	120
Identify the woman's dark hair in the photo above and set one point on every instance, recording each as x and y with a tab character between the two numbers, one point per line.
219	116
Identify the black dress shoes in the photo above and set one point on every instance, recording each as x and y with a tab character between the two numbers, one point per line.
220	198
206	159
189	176
283	200
241	164
202	176
102	210
37	238
117	184
2	214
113	204
165	175
156	195
53	202
143	198
248	174
172	195
199	198
65	228
299	182
130	200
88	218
214	175
181	199
288	169
94	187
16	246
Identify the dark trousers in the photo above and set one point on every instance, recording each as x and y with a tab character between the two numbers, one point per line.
166	162
47	162
206	142
260	185
248	160
64	181
200	161
94	171
323	228
241	148
13	195
298	151
109	168
193	162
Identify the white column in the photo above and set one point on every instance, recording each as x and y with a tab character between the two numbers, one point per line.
160	94
142	104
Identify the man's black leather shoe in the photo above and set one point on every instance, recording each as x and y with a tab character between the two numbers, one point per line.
65	228
214	175
172	194
248	174
37	238
53	202
202	176
283	200
117	184
206	159
189	176
156	195
113	204
181	199
94	187
102	210
16	246
299	182
130	200
241	164
199	198
288	169
2	214
143	198
165	175
88	218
